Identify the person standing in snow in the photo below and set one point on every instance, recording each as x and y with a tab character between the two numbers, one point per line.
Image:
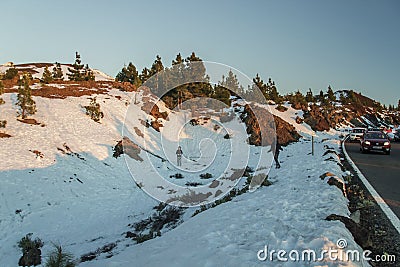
276	154
179	156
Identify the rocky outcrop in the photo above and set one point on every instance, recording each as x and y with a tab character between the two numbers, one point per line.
285	132
270	125
361	235
151	108
126	146
299	120
316	119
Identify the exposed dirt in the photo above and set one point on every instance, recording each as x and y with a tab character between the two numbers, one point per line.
29	121
4	135
64	89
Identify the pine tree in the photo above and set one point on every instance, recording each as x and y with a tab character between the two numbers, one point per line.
232	83
174	78
273	92
331	94
157	66
398	105
178	60
25	102
57	72
321	96
343	99
176	75
310	96
47	77
129	74
88	74
1	92
145	75
253	92
222	94
196	71
299	98
76	73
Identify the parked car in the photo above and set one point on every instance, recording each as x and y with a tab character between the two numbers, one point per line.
375	141
374	130
357	133
397	136
391	137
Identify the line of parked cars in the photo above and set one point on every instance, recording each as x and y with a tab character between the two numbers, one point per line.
374	139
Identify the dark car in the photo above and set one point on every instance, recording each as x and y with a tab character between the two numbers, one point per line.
375	141
397	137
374	130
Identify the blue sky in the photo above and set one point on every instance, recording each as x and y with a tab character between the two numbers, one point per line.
299	44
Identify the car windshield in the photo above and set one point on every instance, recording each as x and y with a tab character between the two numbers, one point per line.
358	131
375	136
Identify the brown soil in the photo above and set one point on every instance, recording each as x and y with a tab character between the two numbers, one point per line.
75	89
37	65
27	70
4	135
29	121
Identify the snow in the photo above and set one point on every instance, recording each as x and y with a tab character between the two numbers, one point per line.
64	198
287	215
290	116
85	198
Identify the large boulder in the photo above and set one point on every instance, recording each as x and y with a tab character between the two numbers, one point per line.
285	132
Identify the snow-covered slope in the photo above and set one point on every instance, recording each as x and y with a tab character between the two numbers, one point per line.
60	182
288	215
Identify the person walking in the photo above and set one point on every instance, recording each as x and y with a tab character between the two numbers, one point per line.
179	153
276	154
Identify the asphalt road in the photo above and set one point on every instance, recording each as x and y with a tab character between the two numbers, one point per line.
382	172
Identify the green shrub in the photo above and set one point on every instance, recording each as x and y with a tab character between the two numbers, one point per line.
206	175
3	123
59	258
11	73
281	108
93	110
176	176
31	253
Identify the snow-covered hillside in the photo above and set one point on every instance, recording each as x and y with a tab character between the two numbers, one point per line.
60	181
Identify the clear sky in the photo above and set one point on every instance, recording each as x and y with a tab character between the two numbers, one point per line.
299	44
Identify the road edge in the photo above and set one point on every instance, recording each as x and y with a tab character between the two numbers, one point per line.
378	199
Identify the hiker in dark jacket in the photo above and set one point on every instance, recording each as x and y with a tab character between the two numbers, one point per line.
276	154
179	153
